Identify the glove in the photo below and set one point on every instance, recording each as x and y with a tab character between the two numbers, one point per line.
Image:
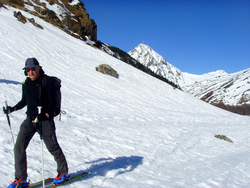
8	110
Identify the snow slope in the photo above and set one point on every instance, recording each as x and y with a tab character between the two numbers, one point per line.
135	131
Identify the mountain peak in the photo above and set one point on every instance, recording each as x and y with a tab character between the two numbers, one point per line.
144	46
156	63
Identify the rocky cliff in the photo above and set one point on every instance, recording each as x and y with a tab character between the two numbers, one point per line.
69	15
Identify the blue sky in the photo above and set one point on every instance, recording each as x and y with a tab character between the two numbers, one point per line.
196	36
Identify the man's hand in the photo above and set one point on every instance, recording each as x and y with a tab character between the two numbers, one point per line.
8	110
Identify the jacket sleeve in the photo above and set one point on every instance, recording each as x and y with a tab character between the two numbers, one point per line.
22	103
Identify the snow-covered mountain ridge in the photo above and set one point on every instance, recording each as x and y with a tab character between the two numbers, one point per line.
126	132
228	91
155	62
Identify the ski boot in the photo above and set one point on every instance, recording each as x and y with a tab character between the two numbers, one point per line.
19	183
60	178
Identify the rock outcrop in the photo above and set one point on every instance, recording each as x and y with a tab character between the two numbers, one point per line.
70	16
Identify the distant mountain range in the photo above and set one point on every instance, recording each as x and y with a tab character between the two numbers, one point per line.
227	91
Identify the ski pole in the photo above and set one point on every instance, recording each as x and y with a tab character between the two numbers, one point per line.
41	138
8	119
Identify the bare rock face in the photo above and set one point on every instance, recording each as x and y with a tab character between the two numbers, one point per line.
80	21
70	16
20	17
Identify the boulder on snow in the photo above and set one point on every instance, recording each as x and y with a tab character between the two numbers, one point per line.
223	137
107	69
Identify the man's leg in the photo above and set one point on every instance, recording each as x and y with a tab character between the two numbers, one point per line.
27	131
50	140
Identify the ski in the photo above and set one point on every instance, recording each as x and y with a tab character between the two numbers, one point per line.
40	182
71	178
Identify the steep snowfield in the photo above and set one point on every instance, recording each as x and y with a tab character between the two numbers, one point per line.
135	131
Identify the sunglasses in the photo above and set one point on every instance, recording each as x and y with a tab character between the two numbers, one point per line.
32	68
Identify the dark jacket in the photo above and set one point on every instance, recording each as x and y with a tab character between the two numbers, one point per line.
36	93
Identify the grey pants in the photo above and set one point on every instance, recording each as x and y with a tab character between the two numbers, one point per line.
27	131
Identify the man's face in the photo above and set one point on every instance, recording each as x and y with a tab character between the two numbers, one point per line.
33	72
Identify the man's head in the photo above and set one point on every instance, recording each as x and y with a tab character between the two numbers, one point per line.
32	68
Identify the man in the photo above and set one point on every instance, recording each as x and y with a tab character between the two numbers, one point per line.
36	93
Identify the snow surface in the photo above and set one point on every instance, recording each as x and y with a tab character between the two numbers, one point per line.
135	131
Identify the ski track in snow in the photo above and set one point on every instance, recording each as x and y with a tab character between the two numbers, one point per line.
135	131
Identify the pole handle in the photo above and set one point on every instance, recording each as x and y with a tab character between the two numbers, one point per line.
8	119
5	104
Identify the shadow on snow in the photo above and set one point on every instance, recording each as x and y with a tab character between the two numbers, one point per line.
9	82
119	165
